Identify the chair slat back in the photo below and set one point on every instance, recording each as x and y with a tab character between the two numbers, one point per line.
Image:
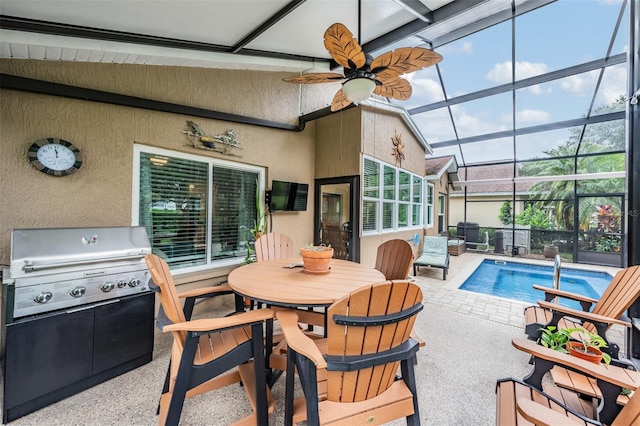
394	259
623	290
169	299
274	246
376	300
435	245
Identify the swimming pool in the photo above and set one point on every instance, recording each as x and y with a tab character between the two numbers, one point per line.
514	280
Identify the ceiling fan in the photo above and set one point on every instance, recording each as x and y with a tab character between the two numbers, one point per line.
364	75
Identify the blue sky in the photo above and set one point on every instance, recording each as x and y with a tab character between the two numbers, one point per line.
557	36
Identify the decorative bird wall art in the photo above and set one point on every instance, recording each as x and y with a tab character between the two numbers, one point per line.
223	143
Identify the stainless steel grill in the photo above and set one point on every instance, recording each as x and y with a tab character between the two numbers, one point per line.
60	268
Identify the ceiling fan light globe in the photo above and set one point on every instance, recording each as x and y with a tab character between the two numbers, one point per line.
358	89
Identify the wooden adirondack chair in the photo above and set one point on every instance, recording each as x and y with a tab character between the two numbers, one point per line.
521	404
525	402
204	349
394	259
435	254
350	378
274	246
623	290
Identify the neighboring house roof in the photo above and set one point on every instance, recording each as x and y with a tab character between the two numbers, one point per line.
435	167
499	173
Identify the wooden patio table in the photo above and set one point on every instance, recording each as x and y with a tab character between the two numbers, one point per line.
275	284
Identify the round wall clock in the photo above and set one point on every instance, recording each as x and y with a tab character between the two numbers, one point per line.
55	157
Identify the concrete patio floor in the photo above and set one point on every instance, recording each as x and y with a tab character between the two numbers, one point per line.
468	347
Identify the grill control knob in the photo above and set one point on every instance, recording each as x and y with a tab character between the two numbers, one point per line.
108	286
122	283
78	291
43	297
134	282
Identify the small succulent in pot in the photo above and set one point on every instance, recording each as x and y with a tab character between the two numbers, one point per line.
318	248
316	259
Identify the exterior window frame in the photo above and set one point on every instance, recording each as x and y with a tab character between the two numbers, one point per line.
392	204
139	149
429	198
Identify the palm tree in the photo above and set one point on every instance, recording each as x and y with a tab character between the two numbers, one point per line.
575	157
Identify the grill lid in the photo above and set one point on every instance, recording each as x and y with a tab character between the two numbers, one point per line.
47	250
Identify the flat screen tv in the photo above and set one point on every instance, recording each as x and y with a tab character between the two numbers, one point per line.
288	196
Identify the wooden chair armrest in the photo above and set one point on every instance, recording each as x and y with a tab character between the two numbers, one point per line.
615	375
565	294
206	291
212	324
297	340
587	316
540	415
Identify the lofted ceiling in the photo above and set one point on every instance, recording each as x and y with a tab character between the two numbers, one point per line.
279	35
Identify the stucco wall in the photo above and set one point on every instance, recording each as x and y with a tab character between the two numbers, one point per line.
338	144
100	193
378	127
482	209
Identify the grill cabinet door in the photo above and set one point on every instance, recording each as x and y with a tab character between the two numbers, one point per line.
47	353
123	331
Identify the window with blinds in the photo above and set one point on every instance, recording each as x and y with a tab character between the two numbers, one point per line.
197	211
371	194
392	202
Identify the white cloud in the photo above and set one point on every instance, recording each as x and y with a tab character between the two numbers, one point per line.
532	116
465	48
474	125
579	85
427	90
435	125
501	73
613	85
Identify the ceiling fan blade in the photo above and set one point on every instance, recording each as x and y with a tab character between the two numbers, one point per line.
343	47
403	61
320	77
397	88
340	101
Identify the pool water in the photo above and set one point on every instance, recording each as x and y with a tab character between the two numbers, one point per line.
514	280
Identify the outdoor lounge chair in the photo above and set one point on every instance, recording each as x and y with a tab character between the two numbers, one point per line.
274	246
525	402
475	246
394	259
350	378
623	290
434	255
205	349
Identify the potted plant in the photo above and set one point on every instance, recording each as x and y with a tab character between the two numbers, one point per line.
316	259
588	346
550	250
260	224
575	341
555	339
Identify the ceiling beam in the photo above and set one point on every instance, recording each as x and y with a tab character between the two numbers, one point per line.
290	7
445	12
